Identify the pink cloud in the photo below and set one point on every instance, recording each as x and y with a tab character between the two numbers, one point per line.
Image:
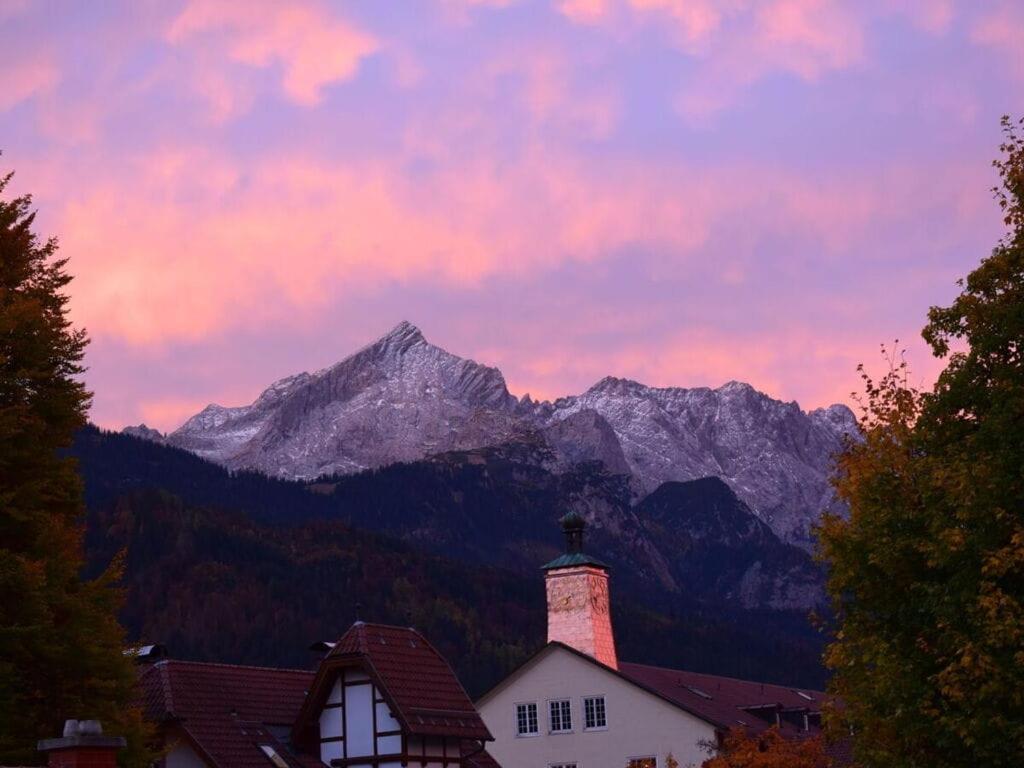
584	11
518	157
166	414
1002	29
734	44
312	47
789	363
554	91
27	78
193	250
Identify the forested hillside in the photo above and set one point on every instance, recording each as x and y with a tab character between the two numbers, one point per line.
242	568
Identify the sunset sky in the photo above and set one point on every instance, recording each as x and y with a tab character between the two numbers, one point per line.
682	192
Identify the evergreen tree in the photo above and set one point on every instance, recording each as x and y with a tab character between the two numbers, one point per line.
60	643
927	574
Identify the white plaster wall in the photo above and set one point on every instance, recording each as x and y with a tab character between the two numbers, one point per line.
359	733
183	756
330	723
638	723
385	721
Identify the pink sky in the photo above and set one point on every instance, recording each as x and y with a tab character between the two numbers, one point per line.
682	192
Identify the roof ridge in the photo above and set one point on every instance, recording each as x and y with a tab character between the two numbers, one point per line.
167	662
165	683
725	677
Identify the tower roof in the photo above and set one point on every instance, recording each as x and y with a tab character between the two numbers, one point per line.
573	526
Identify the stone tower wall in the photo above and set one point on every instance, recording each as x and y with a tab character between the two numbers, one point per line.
579	613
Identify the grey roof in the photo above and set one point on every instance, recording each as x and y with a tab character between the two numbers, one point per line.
571	559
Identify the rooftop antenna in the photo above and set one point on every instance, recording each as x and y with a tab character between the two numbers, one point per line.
359	611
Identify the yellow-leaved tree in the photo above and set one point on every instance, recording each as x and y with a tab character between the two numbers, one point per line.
927	572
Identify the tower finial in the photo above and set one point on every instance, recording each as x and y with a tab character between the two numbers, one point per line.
573	525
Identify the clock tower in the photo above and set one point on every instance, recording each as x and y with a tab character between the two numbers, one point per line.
579	614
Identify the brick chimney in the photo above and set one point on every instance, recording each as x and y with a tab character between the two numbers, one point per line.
83	745
579	614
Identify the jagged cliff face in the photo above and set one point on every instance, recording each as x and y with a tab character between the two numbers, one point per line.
776	457
403	399
399	399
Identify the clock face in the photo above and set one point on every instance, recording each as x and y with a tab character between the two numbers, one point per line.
599	597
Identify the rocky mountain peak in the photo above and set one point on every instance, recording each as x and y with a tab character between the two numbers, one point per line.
144	432
401	399
616	385
401	337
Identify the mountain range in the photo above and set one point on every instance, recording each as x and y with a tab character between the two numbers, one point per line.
402	399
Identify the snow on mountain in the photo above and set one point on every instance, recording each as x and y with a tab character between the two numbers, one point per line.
776	457
398	399
402	399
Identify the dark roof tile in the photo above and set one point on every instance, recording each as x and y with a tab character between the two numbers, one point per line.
725	701
422	687
224	710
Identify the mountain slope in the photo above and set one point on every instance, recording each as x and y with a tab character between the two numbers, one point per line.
398	399
717	545
245	568
776	457
402	399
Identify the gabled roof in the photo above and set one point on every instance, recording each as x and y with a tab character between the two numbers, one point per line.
425	695
722	702
223	710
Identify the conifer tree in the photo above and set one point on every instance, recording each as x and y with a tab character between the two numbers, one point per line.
927	574
60	642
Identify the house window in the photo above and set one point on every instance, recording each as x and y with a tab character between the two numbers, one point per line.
593	713
526	719
561	716
642	762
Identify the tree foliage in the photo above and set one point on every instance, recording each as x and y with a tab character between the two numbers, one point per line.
927	573
60	642
768	750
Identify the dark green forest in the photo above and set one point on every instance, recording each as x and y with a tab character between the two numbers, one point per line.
241	568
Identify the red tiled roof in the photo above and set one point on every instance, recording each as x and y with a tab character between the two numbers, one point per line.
473	758
227	712
427	697
725	701
224	710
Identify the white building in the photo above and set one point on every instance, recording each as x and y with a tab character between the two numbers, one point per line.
574	705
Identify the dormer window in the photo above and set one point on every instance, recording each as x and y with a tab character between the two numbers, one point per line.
561	715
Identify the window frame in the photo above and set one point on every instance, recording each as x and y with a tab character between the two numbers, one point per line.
583	706
631	758
551	730
515	714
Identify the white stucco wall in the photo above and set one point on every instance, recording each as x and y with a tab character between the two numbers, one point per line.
181	755
639	723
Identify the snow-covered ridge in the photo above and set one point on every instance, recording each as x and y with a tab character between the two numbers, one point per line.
403	399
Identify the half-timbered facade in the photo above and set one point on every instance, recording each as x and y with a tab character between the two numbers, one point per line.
382	697
385	697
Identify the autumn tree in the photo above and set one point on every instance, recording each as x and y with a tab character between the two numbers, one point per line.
927	572
60	642
769	749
